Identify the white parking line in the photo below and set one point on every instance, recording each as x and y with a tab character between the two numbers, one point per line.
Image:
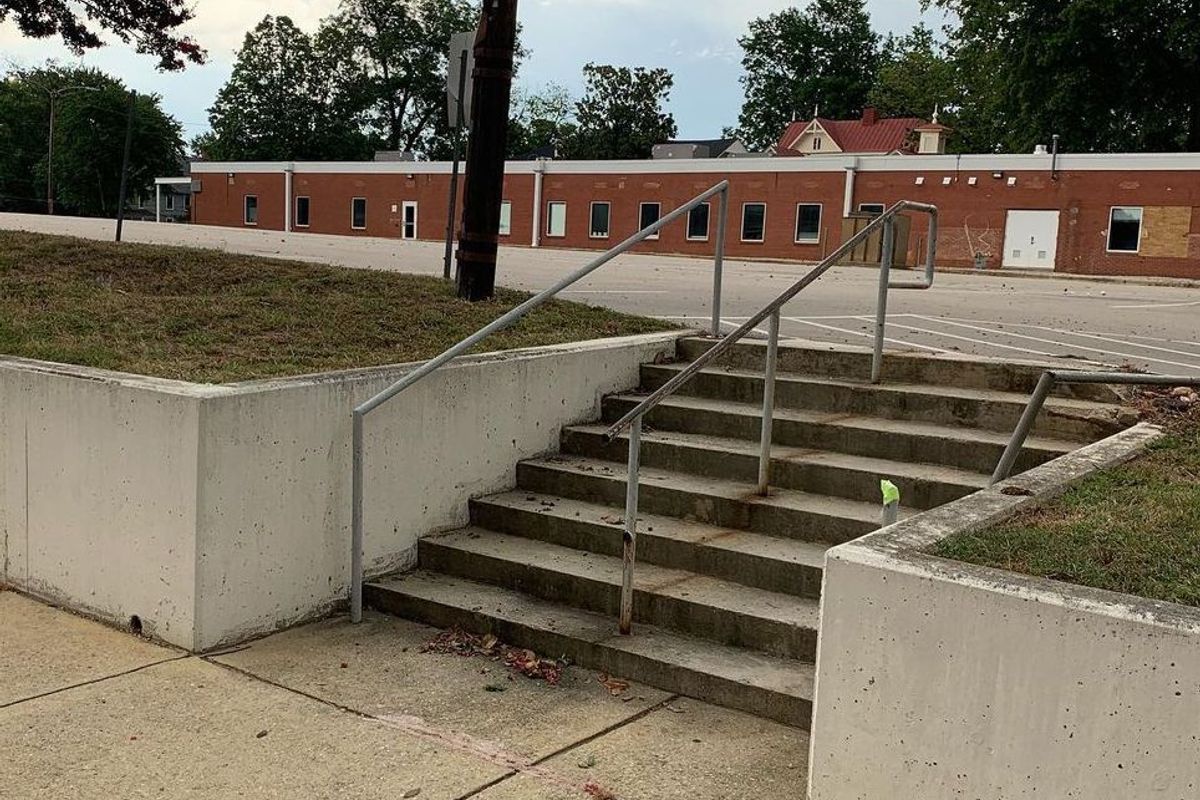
1190	304
983	342
1131	356
1116	336
848	332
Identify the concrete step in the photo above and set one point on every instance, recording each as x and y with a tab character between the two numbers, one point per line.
778	689
922	486
765	562
854	363
894	440
697	605
714	501
990	409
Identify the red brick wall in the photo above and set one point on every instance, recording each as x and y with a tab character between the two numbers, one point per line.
973	217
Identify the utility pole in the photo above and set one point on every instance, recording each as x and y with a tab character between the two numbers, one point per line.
479	241
50	161
459	124
125	165
53	94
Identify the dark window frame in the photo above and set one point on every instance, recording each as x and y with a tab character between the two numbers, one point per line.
1112	223
642	223
707	207
763	234
592	233
814	238
307	211
354	201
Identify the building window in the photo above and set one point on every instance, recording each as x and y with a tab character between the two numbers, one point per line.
648	214
601	215
408	220
817	143
250	210
754	222
556	219
1125	230
697	230
302	205
808	223
871	208
506	218
170	202
358	213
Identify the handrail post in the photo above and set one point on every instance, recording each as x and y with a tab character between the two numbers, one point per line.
719	262
356	522
768	413
1005	467
630	536
885	272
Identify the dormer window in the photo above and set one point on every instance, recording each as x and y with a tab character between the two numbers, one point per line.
816	143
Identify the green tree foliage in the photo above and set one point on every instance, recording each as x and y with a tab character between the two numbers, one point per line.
89	138
392	57
621	114
151	25
915	76
795	60
1107	75
282	102
544	118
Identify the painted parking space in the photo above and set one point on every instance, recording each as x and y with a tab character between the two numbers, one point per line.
993	338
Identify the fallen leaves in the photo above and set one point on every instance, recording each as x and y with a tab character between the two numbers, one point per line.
519	660
615	686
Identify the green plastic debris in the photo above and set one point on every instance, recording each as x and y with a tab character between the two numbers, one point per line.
891	494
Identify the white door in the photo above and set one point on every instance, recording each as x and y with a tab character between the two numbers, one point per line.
409	221
1031	239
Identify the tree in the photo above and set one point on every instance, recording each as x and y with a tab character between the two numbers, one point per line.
1107	75
621	114
392	56
915	77
151	25
796	60
281	102
541	119
88	139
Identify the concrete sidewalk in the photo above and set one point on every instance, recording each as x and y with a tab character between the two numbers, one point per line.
331	710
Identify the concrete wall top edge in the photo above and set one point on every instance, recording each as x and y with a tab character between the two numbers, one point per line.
1083	162
399	370
901	547
203	390
124	379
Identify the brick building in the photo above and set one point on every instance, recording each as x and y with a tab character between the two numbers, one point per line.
1093	214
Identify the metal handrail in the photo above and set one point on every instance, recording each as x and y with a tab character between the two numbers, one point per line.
509	319
1046	384
885	223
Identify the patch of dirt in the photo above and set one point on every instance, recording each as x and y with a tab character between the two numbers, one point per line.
1172	408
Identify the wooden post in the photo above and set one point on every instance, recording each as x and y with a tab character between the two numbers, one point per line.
484	191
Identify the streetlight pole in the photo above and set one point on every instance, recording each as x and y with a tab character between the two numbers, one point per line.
54	95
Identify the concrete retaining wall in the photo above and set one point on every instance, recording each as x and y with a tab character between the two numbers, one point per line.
219	513
939	679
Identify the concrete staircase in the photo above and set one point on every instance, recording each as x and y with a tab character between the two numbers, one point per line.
728	583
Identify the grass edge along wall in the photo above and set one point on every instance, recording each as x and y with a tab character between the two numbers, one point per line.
1017	211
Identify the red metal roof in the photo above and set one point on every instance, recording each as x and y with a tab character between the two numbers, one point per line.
855	136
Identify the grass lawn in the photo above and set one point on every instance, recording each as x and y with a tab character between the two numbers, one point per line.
1133	528
214	317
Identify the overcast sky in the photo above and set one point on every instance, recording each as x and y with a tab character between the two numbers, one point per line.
695	39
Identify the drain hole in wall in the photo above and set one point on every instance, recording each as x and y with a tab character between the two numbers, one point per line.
135	625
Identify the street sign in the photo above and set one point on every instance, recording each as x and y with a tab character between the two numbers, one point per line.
459	78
